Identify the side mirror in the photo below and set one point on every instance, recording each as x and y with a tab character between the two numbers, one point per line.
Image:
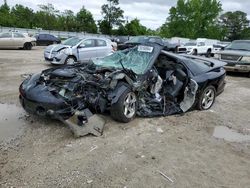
81	46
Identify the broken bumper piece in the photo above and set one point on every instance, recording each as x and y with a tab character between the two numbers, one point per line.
84	122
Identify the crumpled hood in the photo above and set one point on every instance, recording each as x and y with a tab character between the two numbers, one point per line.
234	52
56	47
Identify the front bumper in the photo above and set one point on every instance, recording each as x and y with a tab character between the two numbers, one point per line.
36	99
238	68
33	43
58	59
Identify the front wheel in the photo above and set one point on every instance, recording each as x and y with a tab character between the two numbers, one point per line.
124	110
195	52
209	53
27	46
206	98
70	60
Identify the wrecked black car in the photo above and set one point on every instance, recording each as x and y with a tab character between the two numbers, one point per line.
144	80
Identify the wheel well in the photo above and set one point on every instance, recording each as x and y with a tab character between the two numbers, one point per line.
215	86
72	57
27	43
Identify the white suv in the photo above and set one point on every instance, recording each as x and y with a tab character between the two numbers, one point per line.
198	47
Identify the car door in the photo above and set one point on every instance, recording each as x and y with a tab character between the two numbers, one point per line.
86	50
202	48
102	48
6	40
18	40
43	39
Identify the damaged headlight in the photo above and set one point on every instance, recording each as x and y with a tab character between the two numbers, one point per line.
66	51
30	81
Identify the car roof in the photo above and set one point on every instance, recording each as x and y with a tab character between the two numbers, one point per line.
83	38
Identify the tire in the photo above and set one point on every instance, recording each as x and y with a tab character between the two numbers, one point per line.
206	98
208	54
124	110
70	60
195	52
27	46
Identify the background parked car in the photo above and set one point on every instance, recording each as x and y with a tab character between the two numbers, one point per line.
237	56
140	40
201	46
46	39
77	49
219	46
16	40
168	46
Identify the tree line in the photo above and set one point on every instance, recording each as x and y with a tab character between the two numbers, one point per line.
189	19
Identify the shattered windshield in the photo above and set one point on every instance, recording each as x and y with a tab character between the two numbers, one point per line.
72	41
239	45
190	44
136	59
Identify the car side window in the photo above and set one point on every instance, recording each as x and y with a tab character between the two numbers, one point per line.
6	35
101	43
201	44
89	43
52	37
18	35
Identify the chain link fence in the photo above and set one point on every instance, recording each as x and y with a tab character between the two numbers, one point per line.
60	34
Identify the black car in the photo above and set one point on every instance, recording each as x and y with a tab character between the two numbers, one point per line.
46	39
144	80
140	40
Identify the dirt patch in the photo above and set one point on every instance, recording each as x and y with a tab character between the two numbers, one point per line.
126	155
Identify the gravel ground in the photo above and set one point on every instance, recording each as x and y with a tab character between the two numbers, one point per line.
37	152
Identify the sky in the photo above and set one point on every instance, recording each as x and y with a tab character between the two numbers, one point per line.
151	13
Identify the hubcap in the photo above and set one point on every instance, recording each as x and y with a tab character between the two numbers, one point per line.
129	105
71	61
208	99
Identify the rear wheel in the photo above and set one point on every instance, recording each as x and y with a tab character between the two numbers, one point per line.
71	60
124	110
27	46
206	98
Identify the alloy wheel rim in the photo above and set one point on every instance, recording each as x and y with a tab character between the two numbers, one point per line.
71	61
208	99
129	105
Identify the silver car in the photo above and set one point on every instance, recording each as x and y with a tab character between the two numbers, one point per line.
16	40
77	49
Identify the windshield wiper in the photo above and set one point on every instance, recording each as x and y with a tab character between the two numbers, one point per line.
127	71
